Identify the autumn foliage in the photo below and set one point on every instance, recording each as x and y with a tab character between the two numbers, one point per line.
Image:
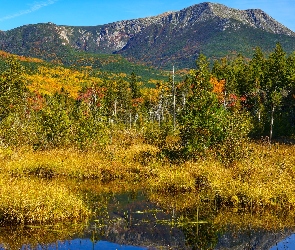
211	108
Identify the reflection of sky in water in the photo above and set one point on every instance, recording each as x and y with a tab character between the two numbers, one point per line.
83	244
86	244
288	243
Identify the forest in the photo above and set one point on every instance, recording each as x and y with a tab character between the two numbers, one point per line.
215	106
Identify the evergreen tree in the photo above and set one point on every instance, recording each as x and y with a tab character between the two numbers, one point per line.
275	83
200	120
13	91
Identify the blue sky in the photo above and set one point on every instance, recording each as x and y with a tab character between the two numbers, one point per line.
15	13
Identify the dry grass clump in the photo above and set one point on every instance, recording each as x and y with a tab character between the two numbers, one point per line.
112	164
172	180
54	163
264	179
27	201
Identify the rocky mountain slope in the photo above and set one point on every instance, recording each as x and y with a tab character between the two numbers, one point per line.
171	38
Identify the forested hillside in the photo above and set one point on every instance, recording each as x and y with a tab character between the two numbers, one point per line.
173	38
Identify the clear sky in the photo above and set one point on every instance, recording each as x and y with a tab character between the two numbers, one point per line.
15	13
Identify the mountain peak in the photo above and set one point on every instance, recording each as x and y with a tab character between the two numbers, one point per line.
175	36
253	17
205	11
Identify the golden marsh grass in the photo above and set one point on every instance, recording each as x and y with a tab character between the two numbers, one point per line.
31	201
35	185
264	178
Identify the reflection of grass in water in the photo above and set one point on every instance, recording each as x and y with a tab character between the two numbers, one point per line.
14	238
204	222
267	219
188	205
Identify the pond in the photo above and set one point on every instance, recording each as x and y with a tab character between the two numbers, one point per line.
137	220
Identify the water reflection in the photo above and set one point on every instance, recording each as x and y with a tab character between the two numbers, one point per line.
130	219
142	220
287	243
83	244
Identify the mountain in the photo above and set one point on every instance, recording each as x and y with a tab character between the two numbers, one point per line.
170	38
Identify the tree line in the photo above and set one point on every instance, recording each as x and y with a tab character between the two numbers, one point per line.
216	107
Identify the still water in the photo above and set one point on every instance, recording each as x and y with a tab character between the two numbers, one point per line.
84	244
137	220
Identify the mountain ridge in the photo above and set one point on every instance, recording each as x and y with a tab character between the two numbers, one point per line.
157	40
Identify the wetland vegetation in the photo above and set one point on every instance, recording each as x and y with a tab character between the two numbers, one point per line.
67	193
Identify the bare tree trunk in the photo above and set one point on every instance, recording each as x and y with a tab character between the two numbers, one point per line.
271	123
174	102
115	108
